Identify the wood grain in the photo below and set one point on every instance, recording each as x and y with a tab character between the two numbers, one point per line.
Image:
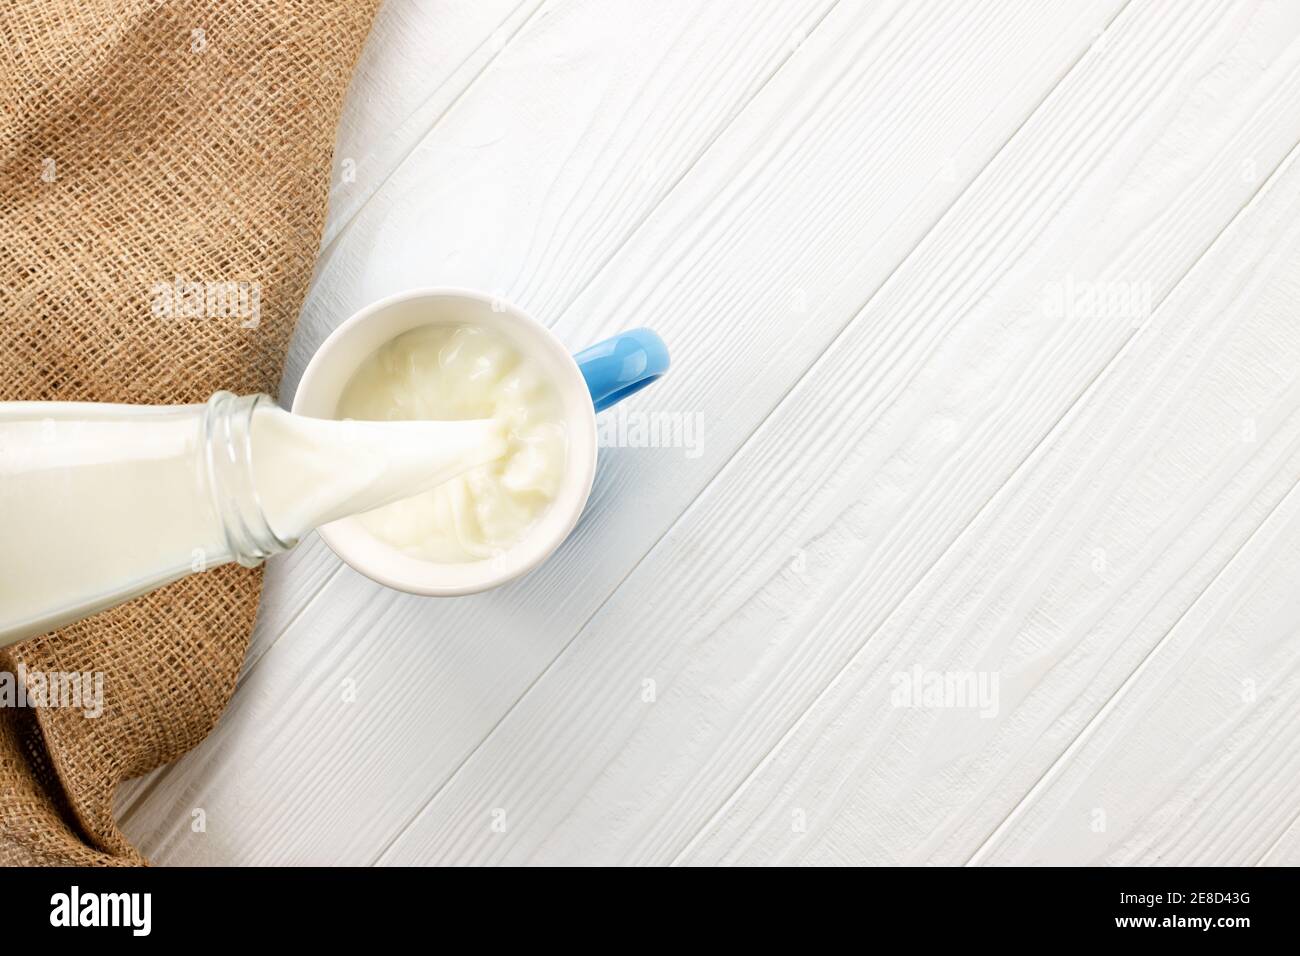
1088	585
419	59
702	673
831	111
1192	759
800	554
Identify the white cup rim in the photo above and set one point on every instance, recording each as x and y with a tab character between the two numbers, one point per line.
352	342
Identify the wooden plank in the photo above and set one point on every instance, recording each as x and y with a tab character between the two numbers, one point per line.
752	239
418	60
1286	851
1194	761
576	131
395	101
830	522
1061	587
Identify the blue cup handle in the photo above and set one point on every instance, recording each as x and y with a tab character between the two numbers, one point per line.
622	365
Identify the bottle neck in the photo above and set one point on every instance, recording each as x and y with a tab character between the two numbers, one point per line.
228	468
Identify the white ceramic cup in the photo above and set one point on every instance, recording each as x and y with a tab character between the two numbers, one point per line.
593	380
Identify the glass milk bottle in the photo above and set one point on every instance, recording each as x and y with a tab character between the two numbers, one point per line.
101	503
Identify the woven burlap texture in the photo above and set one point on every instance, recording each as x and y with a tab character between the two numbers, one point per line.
143	142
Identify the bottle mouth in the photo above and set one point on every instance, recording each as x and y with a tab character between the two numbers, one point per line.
228	440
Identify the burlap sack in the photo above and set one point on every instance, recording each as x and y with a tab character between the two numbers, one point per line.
142	142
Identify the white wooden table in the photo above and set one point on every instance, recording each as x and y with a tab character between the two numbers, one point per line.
988	313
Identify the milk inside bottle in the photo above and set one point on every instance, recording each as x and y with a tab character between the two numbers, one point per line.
100	503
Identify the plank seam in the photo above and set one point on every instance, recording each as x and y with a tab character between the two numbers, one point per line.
1268	852
1029	458
1048	435
726	466
635	229
165	771
328	248
321	262
1107	706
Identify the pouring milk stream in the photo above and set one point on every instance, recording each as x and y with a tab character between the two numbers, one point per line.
451	444
102	503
